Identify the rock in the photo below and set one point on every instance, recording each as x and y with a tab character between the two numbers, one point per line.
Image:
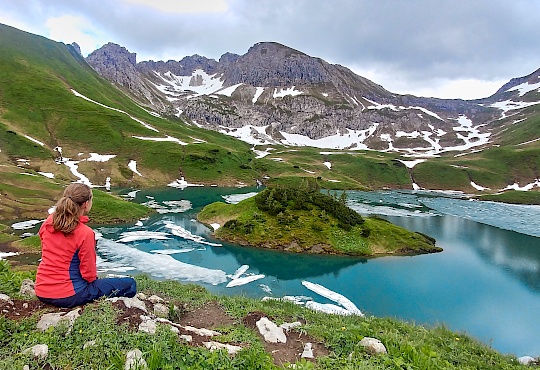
141	296
270	331
6	298
161	310
175	330
155	299
130	302
373	345
134	360
148	325
202	331
39	351
527	360
212	346
90	343
288	326
26	367
27	288
308	351
187	338
54	319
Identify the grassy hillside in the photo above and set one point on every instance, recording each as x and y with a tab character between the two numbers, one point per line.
409	346
306	221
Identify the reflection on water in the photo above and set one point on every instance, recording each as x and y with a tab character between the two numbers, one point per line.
486	281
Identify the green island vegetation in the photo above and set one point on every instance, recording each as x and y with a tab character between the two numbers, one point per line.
409	346
304	220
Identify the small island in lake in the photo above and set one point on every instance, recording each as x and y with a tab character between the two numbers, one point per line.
308	221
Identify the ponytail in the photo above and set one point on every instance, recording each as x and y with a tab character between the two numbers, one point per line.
68	208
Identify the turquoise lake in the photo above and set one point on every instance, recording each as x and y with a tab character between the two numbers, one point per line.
486	282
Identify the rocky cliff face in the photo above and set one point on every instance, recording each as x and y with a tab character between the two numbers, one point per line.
277	95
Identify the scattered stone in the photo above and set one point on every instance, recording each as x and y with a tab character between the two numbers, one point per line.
373	345
527	360
26	367
134	360
39	351
202	331
130	302
270	331
6	298
141	296
54	319
175	330
27	288
187	338
155	299
308	351
25	305
212	346
90	343
148	325
161	310
288	326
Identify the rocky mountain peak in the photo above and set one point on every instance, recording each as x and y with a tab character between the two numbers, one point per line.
274	65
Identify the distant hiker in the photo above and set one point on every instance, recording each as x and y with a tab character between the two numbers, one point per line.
67	273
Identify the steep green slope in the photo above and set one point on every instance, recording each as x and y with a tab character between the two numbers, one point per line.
37	77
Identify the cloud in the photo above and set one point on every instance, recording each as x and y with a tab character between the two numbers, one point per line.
422	47
184	6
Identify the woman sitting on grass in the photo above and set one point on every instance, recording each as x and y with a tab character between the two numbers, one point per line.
67	273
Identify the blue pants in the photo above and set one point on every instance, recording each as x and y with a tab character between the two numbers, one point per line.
109	287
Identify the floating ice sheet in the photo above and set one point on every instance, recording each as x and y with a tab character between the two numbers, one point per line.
25	224
158	265
244	280
333	296
131	236
183	233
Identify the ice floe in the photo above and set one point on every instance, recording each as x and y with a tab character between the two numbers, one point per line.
169	206
239	272
185	234
3	255
23	225
181	184
328	308
333	296
131	236
172	251
237	279
158	265
244	280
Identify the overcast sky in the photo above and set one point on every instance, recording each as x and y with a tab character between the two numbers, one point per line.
442	48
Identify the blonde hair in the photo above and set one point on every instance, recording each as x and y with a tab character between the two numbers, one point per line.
68	208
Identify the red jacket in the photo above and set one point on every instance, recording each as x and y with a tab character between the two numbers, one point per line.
68	262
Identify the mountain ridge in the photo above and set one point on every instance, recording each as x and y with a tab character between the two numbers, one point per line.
273	92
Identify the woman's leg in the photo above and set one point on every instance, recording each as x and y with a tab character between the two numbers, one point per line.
108	287
114	287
